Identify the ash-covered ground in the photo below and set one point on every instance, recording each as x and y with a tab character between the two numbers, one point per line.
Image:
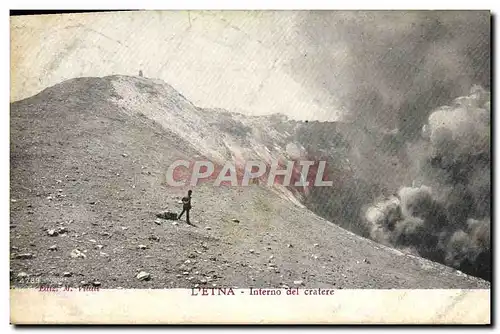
88	162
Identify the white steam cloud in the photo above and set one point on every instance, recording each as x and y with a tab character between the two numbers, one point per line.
447	217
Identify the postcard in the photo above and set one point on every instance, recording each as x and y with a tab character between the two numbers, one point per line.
250	167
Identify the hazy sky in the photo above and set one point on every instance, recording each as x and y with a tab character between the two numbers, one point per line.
235	60
391	69
382	67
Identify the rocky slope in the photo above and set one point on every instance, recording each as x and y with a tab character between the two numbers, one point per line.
88	162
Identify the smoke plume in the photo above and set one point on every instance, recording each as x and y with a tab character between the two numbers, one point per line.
398	77
447	216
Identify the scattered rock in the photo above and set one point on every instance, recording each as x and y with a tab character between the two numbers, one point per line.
124	155
175	223
92	240
24	256
315	245
158	222
186	273
192	256
298	282
271	257
187	261
178	275
53	248
76	253
14	248
208	228
124	228
67	274
366	261
52	232
143	276
22	274
289	245
99	246
142	246
106	234
235	220
103	254
167	215
251	251
96	283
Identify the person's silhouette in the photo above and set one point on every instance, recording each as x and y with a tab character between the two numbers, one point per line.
186	206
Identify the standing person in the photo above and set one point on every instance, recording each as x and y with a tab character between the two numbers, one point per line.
186	206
